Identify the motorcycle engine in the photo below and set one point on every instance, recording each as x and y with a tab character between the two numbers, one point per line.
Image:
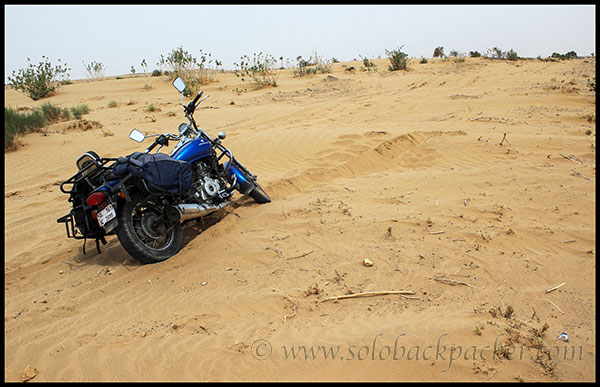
206	187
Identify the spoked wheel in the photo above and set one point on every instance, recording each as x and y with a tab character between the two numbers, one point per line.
146	235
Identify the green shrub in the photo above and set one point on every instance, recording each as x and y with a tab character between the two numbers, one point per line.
368	65
439	52
193	71
112	104
592	84
156	73
312	66
512	55
39	81
54	113
95	69
496	53
17	123
569	55
260	69
474	54
79	110
151	108
398	59
423	60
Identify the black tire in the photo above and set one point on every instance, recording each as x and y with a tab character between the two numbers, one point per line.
259	195
147	244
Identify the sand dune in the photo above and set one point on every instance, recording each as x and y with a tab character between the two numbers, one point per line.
407	169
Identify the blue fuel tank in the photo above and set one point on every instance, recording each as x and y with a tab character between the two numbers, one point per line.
193	150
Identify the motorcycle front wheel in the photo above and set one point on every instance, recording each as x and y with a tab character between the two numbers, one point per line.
145	235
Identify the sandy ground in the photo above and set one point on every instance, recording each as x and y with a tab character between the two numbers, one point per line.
405	169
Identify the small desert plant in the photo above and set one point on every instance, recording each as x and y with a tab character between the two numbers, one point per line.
592	84
368	65
398	59
54	113
423	60
239	91
112	104
152	108
193	71
569	55
260	69
304	67
315	64
17	123
95	69
79	110
144	66
439	52
511	55
39	81
156	73
474	54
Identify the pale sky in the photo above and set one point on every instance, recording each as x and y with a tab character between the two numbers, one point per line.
121	36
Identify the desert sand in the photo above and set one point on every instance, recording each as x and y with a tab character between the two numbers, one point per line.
471	186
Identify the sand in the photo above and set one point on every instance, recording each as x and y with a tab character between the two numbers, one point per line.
406	169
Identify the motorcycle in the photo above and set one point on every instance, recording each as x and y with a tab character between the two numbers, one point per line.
144	198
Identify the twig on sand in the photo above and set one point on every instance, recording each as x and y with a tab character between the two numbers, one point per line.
555	306
504	139
292	302
303	255
554	288
436	232
403	293
572	158
450	281
574	172
570	241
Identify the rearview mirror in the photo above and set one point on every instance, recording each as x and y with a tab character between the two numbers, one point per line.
136	135
179	84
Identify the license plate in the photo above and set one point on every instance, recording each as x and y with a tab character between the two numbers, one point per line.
107	214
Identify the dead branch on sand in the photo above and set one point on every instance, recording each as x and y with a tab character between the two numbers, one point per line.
555	306
303	255
574	172
554	288
403	293
292	302
572	158
440	278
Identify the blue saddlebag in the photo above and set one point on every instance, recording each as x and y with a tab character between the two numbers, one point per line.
162	173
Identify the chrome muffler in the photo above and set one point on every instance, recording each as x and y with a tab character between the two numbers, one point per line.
192	210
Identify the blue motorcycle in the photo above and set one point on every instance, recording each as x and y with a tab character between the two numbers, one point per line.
144	198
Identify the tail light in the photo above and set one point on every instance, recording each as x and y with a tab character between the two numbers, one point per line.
95	199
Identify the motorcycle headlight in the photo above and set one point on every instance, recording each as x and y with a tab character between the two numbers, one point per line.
183	129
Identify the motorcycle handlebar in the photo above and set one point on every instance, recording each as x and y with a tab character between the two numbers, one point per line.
161	140
197	97
192	105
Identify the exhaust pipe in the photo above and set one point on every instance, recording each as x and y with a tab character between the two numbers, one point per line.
191	210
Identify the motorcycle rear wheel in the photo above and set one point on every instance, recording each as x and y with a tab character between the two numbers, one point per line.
144	236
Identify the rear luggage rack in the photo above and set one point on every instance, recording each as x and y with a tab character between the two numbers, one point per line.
87	174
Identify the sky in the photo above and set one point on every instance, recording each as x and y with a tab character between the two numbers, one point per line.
121	36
